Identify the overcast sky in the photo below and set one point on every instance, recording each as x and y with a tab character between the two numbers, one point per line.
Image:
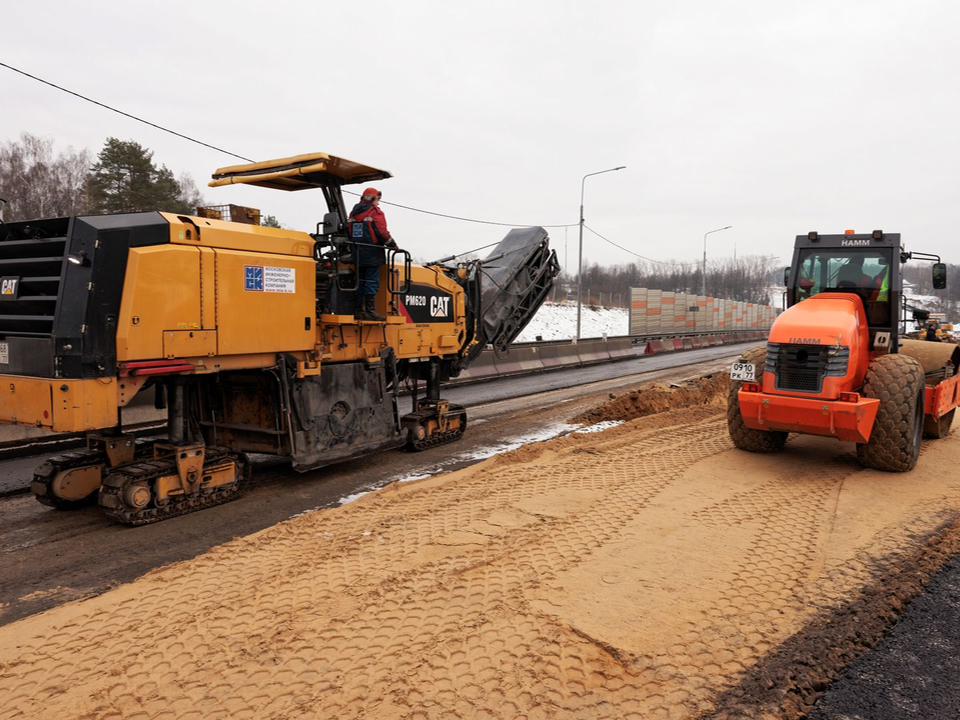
775	118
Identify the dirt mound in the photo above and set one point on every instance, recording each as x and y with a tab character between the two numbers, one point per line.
656	398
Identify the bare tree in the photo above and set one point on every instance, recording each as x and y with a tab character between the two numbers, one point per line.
190	195
747	279
39	183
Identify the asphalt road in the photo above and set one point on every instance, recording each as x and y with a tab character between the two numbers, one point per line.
49	557
913	672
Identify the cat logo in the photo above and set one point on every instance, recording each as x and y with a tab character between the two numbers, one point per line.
439	306
8	288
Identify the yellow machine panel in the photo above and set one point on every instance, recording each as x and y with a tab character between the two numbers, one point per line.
189	343
162	292
59	405
208	233
265	303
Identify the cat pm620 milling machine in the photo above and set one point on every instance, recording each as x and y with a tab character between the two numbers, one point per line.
248	335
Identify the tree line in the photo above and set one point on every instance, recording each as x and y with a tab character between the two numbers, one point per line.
920	275
37	181
747	279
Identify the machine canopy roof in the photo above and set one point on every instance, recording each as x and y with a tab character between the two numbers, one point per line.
313	170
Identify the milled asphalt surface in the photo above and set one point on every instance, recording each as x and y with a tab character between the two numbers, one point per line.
913	673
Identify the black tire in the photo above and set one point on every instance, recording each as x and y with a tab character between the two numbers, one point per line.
758	441
894	445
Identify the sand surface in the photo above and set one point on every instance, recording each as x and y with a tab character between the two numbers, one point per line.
639	572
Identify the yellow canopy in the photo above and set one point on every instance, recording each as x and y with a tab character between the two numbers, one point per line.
300	172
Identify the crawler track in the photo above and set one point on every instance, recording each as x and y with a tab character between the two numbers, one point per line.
147	471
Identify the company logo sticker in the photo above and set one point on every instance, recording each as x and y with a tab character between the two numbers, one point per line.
8	287
266	279
439	306
253	278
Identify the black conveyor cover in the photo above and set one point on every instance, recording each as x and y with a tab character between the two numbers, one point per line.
515	278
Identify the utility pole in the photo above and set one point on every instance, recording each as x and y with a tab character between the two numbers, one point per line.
580	259
703	284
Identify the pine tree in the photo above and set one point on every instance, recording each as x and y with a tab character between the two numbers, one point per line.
125	179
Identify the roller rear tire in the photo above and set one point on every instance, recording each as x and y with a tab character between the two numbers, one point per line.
894	445
758	441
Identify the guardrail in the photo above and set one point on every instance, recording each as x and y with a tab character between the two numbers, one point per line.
524	358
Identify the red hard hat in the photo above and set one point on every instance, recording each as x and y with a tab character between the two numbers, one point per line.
371	192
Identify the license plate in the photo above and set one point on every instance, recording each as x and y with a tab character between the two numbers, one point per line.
5	353
743	371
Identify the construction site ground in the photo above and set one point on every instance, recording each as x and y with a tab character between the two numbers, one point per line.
646	570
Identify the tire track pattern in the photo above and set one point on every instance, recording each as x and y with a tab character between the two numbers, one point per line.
413	602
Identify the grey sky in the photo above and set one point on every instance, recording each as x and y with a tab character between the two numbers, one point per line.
776	118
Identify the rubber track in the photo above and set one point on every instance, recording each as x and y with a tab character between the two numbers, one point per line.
440	438
44	475
118	479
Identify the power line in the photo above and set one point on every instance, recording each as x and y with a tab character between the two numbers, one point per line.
464	219
642	257
121	112
241	157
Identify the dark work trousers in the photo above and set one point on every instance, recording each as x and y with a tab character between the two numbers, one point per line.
368	280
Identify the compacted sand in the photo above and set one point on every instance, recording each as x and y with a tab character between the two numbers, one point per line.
648	571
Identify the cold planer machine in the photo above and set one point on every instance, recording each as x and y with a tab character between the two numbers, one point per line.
248	335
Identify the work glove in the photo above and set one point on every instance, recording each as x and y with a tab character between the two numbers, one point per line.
391	243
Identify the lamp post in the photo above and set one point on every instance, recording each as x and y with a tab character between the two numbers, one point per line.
703	285
580	259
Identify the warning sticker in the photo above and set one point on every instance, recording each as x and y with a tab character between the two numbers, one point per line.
262	278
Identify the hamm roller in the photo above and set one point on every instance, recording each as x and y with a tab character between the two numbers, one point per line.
836	362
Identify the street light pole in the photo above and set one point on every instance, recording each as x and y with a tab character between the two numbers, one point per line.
703	278
580	259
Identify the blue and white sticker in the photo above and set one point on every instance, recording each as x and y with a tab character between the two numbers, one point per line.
263	278
253	277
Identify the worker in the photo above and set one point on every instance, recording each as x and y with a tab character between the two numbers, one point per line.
368	228
883	283
852	275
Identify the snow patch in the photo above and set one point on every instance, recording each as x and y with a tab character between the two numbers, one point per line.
558	321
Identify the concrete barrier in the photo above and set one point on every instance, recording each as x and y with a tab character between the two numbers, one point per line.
677	344
593	351
687	343
620	348
697	342
653	347
483	367
518	360
559	355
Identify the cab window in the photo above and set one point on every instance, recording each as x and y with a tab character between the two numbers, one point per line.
859	272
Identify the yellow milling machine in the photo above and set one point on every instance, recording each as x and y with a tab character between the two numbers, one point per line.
248	335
